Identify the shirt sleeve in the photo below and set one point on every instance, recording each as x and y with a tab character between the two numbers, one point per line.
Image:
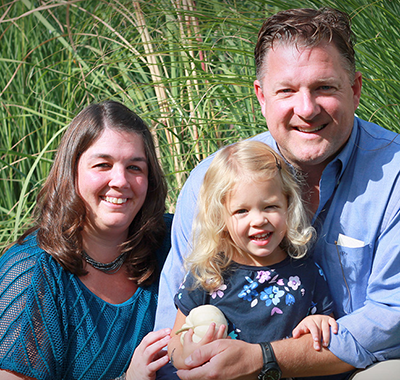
188	297
28	342
372	332
173	271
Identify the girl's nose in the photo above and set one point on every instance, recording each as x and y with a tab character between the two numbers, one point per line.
259	219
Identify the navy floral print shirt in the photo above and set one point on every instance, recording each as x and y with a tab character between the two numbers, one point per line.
263	303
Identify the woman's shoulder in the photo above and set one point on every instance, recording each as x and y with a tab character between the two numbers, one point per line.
26	251
21	261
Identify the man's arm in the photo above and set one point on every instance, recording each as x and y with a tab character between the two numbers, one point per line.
235	359
173	271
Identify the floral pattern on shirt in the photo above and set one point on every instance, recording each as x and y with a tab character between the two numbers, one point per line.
280	290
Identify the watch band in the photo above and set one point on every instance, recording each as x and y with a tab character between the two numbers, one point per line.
270	368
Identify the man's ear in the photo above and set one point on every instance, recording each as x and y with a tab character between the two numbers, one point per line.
357	89
260	95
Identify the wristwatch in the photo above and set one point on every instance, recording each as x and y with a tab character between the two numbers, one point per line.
270	369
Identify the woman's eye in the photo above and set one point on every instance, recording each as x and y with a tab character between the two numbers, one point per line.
135	168
102	165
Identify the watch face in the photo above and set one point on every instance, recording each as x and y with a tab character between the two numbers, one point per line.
272	374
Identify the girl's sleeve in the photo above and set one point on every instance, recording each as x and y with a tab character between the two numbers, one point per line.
188	297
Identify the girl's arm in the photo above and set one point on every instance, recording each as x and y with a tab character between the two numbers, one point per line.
177	352
319	327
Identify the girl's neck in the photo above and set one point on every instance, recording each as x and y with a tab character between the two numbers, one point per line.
244	258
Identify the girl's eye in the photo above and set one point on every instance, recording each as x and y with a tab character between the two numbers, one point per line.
241	211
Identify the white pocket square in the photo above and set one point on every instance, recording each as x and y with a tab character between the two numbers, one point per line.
346	241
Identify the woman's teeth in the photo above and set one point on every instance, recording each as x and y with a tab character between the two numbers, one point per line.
117	201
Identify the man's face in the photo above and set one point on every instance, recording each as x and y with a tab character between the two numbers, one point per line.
308	101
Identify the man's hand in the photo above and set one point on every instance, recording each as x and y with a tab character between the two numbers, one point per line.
224	359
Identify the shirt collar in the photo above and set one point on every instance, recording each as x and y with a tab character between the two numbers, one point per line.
342	159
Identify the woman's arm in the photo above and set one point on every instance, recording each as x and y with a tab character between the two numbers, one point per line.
5	375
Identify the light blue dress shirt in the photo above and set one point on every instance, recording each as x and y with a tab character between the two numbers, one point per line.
359	210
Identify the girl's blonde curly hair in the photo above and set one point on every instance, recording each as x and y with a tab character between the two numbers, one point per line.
213	248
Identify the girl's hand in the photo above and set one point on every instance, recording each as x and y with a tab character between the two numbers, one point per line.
149	356
212	334
319	327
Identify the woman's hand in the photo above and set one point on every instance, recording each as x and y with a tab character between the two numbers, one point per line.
149	356
319	327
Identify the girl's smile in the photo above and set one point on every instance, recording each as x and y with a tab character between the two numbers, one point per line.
256	220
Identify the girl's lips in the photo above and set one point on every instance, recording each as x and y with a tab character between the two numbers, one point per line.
117	201
261	239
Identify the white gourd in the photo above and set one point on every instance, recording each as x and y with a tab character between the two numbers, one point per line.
200	318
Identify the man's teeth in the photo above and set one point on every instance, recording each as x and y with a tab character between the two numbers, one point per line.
261	236
311	130
117	201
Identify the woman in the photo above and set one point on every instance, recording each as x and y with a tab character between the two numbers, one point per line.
78	291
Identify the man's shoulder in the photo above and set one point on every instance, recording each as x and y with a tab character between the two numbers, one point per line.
377	135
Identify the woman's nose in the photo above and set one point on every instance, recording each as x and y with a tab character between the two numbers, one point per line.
118	177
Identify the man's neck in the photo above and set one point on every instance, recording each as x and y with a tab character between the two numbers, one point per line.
310	188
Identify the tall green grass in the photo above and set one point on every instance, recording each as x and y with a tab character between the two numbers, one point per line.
186	67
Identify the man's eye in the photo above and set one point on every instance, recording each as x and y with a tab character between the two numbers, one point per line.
325	88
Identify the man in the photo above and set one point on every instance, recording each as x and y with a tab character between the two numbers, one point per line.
308	90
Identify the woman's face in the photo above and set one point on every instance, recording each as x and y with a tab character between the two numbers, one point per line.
113	182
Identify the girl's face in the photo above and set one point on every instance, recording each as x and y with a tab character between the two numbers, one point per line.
256	220
113	181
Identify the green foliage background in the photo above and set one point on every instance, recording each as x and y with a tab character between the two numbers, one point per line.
185	66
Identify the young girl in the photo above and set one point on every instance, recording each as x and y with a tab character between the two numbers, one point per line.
251	236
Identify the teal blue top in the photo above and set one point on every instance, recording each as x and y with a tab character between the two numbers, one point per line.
52	327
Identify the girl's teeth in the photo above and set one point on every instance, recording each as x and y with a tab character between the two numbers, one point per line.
261	237
117	201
